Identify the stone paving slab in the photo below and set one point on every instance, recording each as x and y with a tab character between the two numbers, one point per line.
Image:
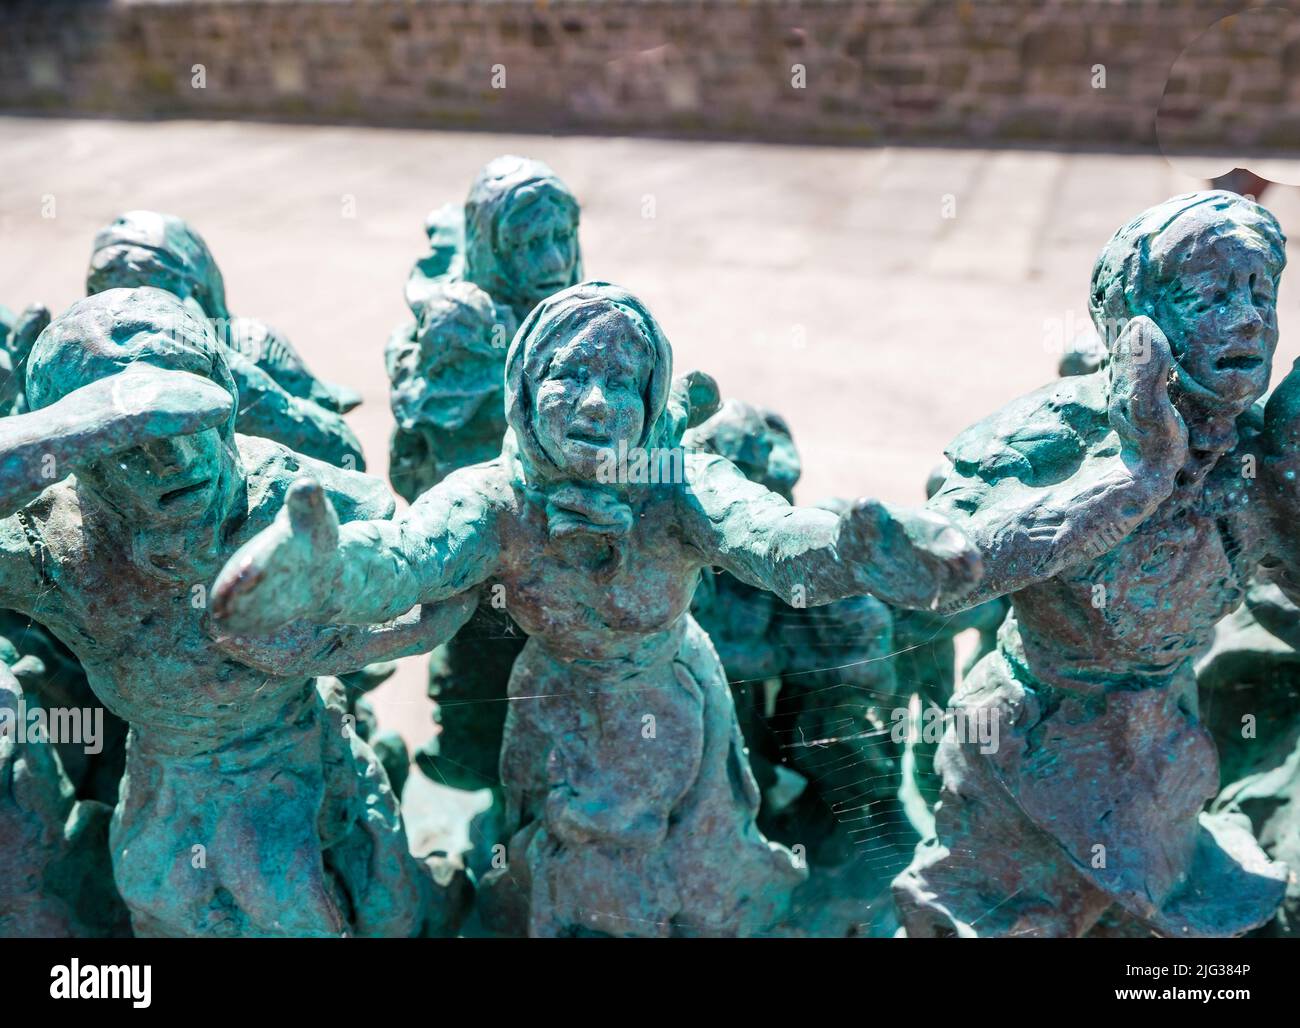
824	282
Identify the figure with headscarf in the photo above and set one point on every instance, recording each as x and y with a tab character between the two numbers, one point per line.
279	397
249	806
630	799
510	245
1123	512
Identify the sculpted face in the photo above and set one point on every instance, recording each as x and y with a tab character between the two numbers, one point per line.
1220	314
167	482
593	395
538	244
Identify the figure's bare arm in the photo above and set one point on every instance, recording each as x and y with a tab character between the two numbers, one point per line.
309	650
365	572
116	413
1029	525
810	556
267	409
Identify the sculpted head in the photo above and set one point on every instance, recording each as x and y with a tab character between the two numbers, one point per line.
168	482
757	441
144	248
588	371
1205	267
521	233
460	333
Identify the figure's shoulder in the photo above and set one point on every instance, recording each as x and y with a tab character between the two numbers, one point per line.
454	320
270	468
1039	434
709	470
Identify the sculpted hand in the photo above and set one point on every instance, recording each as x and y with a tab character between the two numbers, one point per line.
1150	429
913	557
286	572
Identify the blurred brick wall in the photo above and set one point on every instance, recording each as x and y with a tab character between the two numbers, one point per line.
978	70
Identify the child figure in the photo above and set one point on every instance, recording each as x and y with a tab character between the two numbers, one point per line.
248	806
630	797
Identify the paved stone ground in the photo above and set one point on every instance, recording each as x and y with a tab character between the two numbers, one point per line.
826	283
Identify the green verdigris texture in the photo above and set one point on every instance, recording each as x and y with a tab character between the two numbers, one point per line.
630	799
814	686
1249	684
55	873
51	675
17	334
248	807
280	398
925	664
1123	512
512	244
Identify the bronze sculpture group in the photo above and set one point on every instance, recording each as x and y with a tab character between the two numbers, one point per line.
695	703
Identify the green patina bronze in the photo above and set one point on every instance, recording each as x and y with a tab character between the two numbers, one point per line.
814	686
55	873
631	806
570	497
1249	684
1123	512
925	663
249	806
512	244
51	674
280	398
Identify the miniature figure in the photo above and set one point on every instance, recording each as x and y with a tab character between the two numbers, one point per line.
280	398
629	793
1123	512
814	687
249	806
513	243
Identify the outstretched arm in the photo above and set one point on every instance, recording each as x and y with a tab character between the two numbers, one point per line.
128	409
312	650
365	572
1035	497
809	556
